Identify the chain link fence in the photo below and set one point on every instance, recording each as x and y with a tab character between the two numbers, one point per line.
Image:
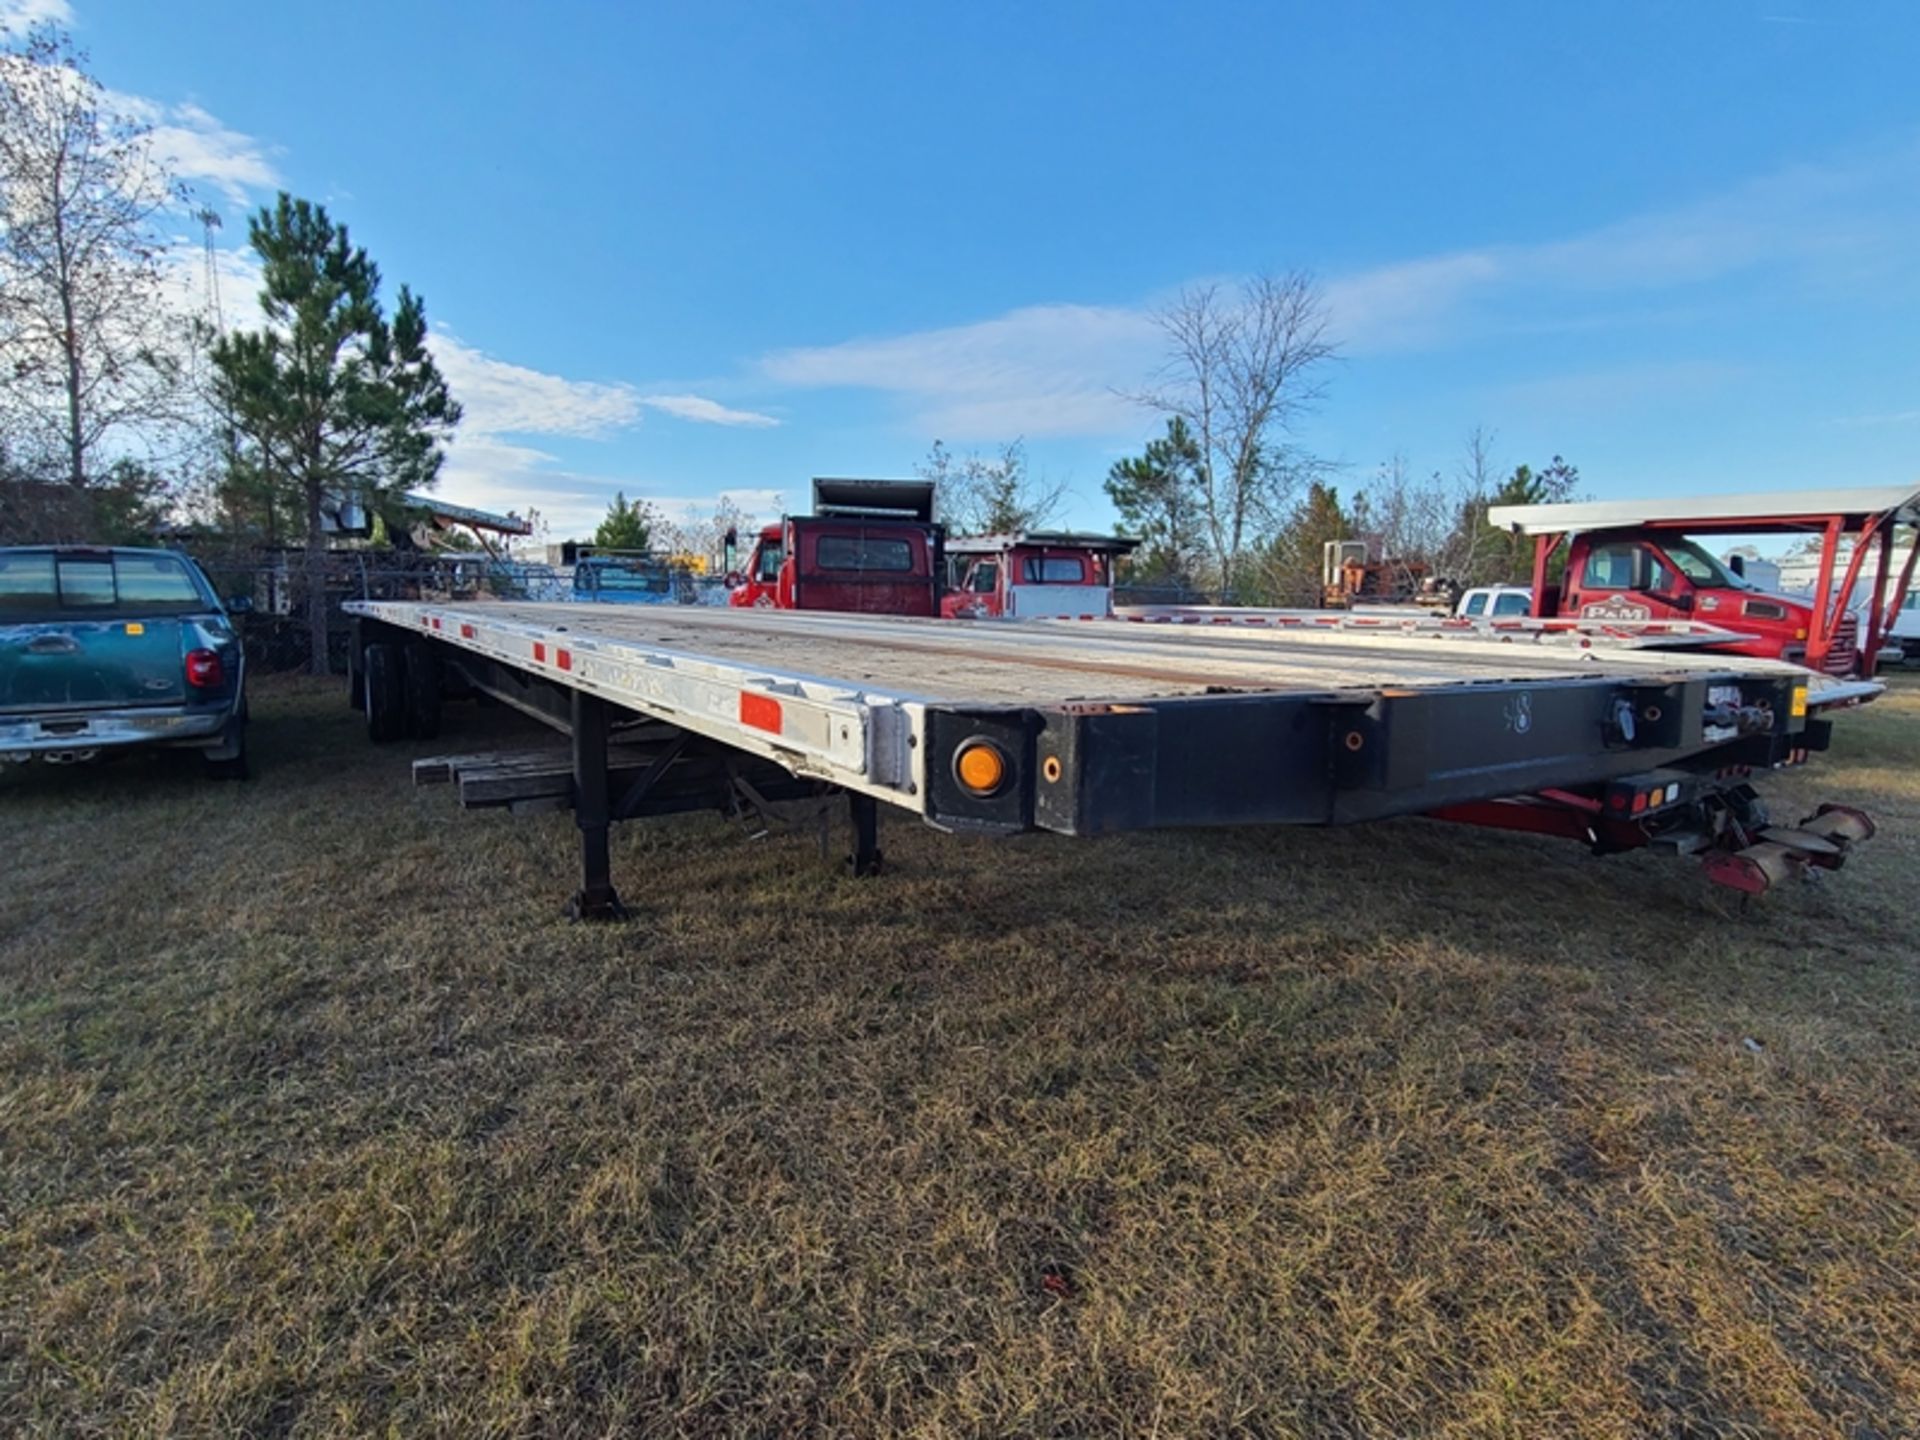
274	626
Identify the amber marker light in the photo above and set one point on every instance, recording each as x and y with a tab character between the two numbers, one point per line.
980	767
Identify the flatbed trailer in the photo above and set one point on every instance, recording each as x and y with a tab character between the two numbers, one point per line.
1093	727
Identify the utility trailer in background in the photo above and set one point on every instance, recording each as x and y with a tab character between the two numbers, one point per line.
1092	727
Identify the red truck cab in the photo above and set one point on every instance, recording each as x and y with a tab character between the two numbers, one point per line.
1638	560
871	546
1634	574
1033	575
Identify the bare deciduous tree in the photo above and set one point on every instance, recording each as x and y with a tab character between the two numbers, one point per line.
703	533
1436	526
989	494
88	345
1471	545
1241	370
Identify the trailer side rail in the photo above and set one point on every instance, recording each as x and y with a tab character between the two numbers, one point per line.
858	739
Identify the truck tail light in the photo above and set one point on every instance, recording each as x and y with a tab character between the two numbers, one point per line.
204	670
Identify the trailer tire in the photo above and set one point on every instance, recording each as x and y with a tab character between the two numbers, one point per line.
423	692
356	673
385	692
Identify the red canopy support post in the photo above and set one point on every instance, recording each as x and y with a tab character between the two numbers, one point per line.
1899	595
1870	646
1820	635
1843	599
1543	548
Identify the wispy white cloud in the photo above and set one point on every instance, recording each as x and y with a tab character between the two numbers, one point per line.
501	475
1889	417
18	14
1042	370
496	462
1614	387
234	281
1406	303
204	151
703	411
1812	223
194	145
501	398
505	475
1062	369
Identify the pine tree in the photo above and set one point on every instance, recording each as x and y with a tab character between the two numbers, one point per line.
1156	495
629	525
329	399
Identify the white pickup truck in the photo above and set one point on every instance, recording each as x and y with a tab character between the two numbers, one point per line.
1902	642
1488	602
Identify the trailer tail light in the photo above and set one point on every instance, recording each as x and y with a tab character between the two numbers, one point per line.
204	670
1642	795
980	767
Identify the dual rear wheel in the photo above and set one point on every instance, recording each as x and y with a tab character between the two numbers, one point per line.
398	689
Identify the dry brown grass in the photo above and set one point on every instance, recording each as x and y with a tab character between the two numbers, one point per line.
315	1118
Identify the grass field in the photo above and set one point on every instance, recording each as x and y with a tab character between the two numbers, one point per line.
315	1118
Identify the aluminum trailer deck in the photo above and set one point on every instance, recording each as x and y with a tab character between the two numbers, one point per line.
1096	726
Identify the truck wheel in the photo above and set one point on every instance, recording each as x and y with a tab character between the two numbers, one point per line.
356	677
229	762
385	692
423	692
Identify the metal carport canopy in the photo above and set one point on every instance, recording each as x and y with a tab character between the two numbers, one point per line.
1767	510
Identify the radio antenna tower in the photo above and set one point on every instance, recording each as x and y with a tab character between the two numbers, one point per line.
209	222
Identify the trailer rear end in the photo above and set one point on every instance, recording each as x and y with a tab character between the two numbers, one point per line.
1089	728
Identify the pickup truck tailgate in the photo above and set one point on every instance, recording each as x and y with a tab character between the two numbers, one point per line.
87	664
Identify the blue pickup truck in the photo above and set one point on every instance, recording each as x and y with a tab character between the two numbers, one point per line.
106	649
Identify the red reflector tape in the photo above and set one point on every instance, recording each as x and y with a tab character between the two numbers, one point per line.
564	659
466	632
760	711
540	651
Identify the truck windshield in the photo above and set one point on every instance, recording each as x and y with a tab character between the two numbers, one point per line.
1055	570
45	582
1699	566
627	576
863	552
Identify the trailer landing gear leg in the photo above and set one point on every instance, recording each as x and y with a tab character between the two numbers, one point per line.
596	899
866	834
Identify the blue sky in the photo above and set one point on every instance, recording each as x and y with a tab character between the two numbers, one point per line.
686	249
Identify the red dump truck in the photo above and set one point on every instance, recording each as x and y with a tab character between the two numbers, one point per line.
870	546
